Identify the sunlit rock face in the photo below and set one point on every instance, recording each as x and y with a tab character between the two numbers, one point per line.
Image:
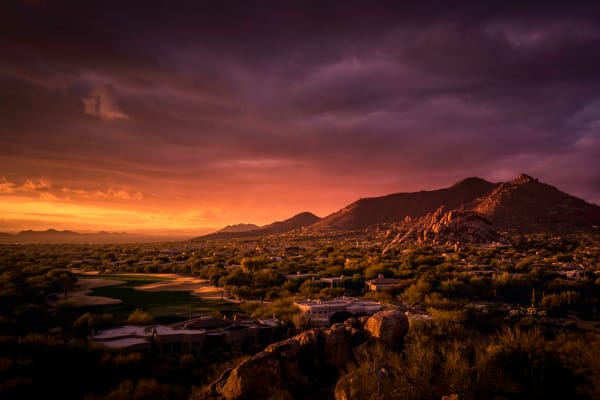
447	227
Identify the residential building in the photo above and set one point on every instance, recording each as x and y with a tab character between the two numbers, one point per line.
380	283
320	312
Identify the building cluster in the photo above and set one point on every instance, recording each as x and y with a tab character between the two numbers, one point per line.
376	285
190	336
380	284
329	280
323	312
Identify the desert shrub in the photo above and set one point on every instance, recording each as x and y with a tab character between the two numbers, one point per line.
144	389
416	292
88	321
448	322
532	365
284	309
140	317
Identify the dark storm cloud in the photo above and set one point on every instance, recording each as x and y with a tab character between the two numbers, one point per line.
395	95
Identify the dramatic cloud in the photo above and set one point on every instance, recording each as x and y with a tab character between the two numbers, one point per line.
40	184
103	194
101	103
7	187
261	109
35	188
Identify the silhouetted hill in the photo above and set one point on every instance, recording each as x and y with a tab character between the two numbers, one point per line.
296	222
239	228
56	236
399	206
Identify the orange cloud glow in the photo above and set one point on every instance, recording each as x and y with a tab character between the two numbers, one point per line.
48	212
40	204
103	194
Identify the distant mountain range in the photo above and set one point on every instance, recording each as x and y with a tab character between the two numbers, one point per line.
298	221
470	210
53	236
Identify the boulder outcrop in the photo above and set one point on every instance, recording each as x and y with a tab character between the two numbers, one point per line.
389	327
308	360
446	227
259	376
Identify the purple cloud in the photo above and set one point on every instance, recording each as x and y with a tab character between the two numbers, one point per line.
213	100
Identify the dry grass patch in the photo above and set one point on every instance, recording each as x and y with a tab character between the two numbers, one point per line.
80	296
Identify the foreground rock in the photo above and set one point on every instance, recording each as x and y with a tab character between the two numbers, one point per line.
389	327
307	361
260	375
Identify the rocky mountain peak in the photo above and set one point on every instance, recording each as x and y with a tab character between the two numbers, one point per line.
524	178
528	205
471	181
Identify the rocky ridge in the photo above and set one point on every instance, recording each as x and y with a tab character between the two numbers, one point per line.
445	227
399	206
470	211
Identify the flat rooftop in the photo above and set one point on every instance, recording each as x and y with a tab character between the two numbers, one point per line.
124	331
124	343
142	332
336	302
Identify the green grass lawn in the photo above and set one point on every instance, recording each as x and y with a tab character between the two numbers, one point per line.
163	306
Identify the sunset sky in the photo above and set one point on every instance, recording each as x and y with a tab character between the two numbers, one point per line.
188	116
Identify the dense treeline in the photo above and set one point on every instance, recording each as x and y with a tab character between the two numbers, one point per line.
24	291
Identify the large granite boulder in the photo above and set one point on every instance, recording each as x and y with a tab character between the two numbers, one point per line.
254	379
389	327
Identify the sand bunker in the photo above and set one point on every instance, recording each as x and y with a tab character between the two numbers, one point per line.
80	296
198	287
